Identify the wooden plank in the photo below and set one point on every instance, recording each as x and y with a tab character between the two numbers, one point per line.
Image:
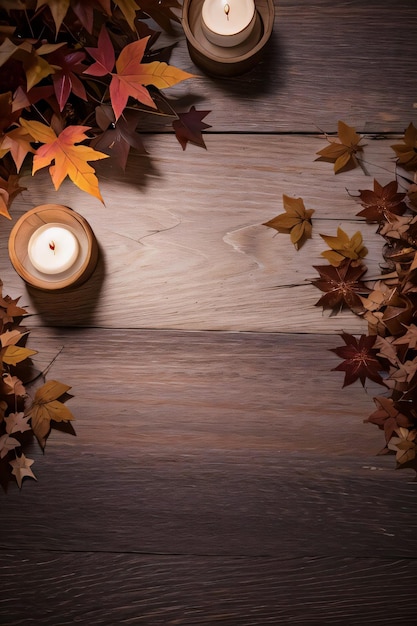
165	590
182	240
349	60
210	443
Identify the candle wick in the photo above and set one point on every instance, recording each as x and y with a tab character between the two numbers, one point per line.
52	246
227	10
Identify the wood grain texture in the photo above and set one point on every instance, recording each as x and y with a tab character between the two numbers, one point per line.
350	60
108	589
227	444
183	245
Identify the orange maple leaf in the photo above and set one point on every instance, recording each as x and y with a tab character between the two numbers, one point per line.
131	76
70	159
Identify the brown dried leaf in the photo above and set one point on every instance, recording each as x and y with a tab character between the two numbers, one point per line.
296	221
342	150
407	152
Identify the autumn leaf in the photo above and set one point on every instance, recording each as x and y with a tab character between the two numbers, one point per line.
387	417
380	203
10	308
13	138
409	338
188	127
161	12
17	423
344	247
360	360
129	8
407	152
58	10
296	221
13	385
342	286
21	468
342	150
65	79
7	443
131	76
404	445
46	408
118	136
85	11
70	159
12	355
9	189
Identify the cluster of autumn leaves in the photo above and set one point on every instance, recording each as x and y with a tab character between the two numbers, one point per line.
387	354
76	81
27	407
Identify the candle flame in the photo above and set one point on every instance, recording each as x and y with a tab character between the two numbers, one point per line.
227	10
52	246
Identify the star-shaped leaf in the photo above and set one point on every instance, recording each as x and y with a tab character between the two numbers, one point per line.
360	359
9	308
188	127
70	159
21	469
407	152
46	408
342	286
404	445
296	221
344	247
382	202
118	136
342	150
387	417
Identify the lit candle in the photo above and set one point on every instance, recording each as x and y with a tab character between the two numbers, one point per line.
53	249
228	23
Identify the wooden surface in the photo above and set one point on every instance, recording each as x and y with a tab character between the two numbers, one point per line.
220	475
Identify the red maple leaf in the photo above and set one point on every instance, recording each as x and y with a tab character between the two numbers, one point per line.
188	127
341	285
65	79
360	359
381	202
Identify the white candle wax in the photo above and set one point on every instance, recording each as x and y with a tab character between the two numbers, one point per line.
228	23
53	249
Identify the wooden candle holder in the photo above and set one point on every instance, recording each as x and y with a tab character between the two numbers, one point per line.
53	214
222	61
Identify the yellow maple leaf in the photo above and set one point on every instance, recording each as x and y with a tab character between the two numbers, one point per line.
47	407
342	149
70	159
296	221
343	247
